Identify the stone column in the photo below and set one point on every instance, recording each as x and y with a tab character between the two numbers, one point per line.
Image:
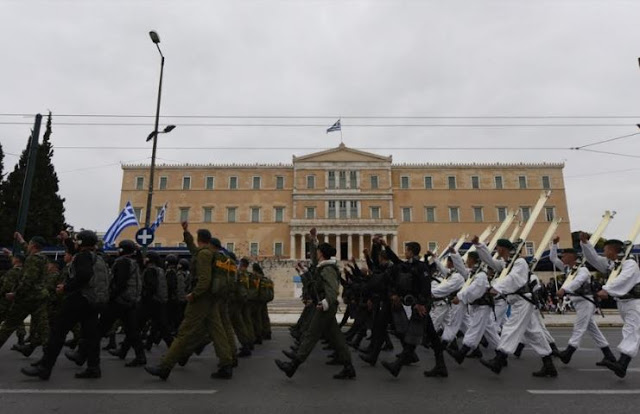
349	246
394	243
292	247
361	246
339	245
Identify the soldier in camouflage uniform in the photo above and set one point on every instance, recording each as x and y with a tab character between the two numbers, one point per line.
238	310
29	297
255	306
265	296
202	315
9	283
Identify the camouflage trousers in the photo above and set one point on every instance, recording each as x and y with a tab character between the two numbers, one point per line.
39	330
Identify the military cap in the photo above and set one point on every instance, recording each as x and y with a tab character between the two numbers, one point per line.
506	243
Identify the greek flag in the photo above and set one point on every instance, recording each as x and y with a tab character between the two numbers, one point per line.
126	218
335	127
160	218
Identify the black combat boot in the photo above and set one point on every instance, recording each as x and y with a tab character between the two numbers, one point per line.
565	356
440	370
111	344
369	359
200	348
459	355
76	356
158	371
453	345
90	372
289	354
244	352
619	367
38	371
348	372
476	353
183	361
288	368
394	367
26	349
519	350
410	359
138	361
223	373
608	356
39	362
71	343
548	369
484	342
497	363
554	349
121	352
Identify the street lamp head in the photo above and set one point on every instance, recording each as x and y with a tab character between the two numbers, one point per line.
154	37
169	128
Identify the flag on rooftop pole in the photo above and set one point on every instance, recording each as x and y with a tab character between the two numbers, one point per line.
335	127
160	218
126	218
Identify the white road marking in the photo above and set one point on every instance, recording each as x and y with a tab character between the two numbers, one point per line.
106	391
606	370
581	392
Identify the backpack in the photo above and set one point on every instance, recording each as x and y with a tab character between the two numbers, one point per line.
224	270
266	289
97	291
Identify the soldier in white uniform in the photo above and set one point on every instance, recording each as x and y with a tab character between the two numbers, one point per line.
583	299
500	303
446	290
522	324
475	296
626	290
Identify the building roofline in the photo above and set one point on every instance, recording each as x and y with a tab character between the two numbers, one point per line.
339	148
480	165
204	166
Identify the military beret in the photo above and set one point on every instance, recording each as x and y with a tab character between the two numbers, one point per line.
614	242
569	251
506	243
215	242
38	240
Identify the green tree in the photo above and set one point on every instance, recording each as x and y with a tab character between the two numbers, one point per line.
46	208
1	164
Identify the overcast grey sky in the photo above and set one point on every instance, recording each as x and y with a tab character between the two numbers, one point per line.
328	58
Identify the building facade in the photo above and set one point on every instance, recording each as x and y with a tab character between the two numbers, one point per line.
348	196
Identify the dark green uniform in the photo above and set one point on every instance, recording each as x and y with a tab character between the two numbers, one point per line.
202	316
237	302
9	284
255	305
266	296
30	299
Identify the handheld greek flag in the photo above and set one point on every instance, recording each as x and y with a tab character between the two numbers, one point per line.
126	218
160	218
335	127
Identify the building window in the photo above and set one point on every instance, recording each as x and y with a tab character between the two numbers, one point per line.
550	213
452	182
374	182
546	182
139	183
498	181
375	213
522	182
502	214
475	182
231	247
209	183
342	176
428	182
184	214
186	183
353	209
231	214
233	183
529	248
279	182
353	179
206	214
525	213
404	182
430	213
255	214
277	249
278	214
343	209
254	249
432	246
454	214
478	217
163	183
332	179
257	181
311	182
138	212
406	214
332	210
310	213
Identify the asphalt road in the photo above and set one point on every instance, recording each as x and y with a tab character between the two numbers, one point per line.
258	386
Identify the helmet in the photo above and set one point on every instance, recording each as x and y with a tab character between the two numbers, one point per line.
171	260
126	247
154	258
183	264
86	238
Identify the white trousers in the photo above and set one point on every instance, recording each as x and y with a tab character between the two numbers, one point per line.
585	322
500	310
523	326
481	322
630	313
545	331
453	322
439	313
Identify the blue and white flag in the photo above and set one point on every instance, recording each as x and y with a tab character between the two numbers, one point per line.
335	127
160	218
126	218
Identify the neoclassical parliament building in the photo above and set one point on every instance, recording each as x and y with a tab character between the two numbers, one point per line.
265	210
